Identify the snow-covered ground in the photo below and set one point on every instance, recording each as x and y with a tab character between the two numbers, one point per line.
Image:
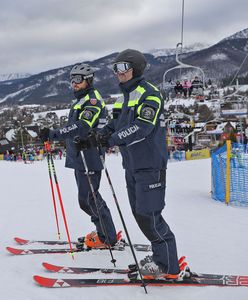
211	235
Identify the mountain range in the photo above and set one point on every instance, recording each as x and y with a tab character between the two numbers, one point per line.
13	76
220	62
172	51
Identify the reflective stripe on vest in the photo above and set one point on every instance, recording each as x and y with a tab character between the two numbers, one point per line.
86	98
119	102
155	88
134	98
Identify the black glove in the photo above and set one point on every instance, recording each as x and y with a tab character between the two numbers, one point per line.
98	139
92	139
44	134
103	140
81	144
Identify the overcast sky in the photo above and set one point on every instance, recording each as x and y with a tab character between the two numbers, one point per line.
39	35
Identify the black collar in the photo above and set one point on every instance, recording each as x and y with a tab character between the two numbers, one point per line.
83	92
130	85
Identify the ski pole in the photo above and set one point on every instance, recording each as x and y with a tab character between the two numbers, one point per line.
121	216
48	150
61	205
77	141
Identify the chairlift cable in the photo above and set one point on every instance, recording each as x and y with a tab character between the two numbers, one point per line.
182	65
236	74
182	27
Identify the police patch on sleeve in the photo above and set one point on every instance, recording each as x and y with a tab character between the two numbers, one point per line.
93	101
88	115
148	113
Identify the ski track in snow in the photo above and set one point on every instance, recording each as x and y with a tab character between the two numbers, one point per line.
211	235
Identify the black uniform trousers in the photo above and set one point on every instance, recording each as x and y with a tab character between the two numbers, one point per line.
146	192
87	204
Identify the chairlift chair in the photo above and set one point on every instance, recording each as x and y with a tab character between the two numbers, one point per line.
166	85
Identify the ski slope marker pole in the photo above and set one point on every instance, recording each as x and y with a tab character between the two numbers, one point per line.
48	151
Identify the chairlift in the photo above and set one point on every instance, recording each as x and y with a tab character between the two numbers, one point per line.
234	106
197	90
205	139
213	92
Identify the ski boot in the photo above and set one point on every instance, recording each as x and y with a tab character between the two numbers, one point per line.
92	241
150	270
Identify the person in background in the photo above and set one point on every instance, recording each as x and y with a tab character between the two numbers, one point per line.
197	86
178	88
60	154
186	87
24	157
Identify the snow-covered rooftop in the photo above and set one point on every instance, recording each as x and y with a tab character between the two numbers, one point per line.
59	113
10	135
32	133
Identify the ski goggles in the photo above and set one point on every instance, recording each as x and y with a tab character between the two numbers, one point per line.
76	79
121	67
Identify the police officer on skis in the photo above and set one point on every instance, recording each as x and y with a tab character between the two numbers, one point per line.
138	128
86	113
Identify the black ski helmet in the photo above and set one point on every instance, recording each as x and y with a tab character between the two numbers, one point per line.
136	58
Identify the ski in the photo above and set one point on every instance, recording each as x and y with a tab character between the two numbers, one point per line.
21	241
82	270
137	247
18	251
195	280
132	268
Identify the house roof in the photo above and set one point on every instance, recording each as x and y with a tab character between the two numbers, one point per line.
220	128
4	142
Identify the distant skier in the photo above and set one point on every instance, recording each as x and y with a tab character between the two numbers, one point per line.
24	157
86	113
60	153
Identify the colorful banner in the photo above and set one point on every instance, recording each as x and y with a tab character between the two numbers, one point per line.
198	154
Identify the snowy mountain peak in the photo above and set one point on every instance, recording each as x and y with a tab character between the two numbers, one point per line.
13	76
172	51
243	34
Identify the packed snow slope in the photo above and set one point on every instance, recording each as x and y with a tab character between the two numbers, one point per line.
211	235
